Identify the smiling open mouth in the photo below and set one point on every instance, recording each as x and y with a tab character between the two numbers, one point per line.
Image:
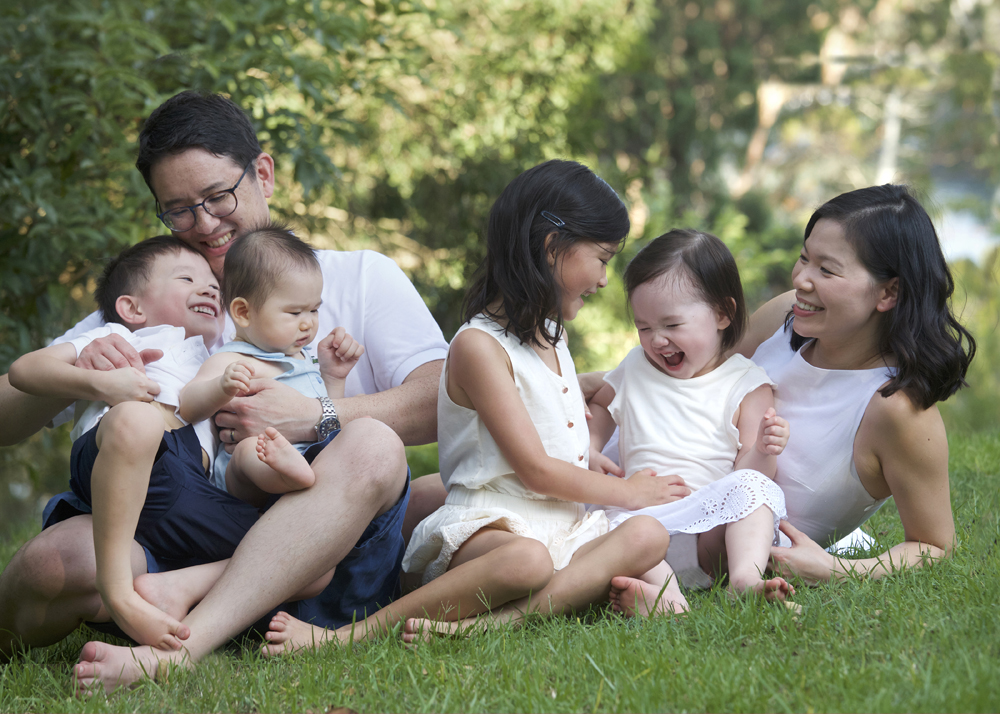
674	360
221	241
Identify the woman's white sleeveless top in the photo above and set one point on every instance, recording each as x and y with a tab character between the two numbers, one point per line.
823	494
468	454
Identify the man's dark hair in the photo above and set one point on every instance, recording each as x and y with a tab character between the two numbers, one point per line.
195	120
706	262
128	272
259	259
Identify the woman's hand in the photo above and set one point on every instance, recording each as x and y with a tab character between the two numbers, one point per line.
805	558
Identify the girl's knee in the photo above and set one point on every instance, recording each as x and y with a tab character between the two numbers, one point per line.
645	535
524	564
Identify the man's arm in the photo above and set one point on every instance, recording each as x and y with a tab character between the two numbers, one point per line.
52	372
409	409
22	415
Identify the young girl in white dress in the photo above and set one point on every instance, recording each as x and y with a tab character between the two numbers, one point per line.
513	536
684	408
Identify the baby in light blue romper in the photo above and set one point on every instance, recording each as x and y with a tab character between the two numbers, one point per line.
272	286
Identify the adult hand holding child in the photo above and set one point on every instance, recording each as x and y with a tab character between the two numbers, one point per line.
114	352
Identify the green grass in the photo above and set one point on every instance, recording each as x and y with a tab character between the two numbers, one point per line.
925	640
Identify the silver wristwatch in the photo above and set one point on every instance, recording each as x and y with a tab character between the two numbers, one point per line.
329	422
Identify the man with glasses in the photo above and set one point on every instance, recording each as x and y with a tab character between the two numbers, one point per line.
211	182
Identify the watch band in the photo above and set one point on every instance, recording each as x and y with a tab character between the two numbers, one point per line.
329	422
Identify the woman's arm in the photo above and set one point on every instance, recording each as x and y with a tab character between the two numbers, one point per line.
903	451
764	322
480	375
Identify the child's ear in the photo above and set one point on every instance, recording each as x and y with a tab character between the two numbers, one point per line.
888	295
129	310
239	308
550	250
722	320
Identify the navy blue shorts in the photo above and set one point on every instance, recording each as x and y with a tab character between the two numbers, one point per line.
187	521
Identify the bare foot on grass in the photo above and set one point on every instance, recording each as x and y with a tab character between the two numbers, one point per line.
773	590
288	635
109	667
274	450
145	623
632	596
420	629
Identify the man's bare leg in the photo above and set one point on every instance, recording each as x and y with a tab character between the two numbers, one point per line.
128	439
427	494
359	476
176	592
49	587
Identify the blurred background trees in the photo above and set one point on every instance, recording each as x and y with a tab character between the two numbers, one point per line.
395	124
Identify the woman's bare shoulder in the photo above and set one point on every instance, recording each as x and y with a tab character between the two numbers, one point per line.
764	322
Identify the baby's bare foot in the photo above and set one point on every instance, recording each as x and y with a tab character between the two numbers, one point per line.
288	635
111	667
145	623
632	596
275	451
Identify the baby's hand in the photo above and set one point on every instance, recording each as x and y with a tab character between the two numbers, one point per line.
338	353
648	489
236	378
126	384
773	433
603	465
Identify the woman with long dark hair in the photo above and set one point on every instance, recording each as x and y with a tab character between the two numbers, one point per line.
862	350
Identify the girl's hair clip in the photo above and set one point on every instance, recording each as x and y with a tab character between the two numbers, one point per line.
553	219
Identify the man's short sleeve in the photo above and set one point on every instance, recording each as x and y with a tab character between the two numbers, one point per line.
367	294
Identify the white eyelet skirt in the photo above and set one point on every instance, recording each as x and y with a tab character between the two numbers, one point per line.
727	500
563	527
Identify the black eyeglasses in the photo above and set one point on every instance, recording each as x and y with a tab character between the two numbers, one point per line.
219	204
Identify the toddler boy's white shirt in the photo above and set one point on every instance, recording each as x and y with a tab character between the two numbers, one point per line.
369	296
182	357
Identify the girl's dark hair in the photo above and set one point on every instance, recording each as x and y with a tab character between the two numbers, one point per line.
563	198
196	120
893	237
709	265
128	272
259	259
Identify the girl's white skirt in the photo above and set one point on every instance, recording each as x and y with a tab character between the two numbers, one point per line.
727	500
561	525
